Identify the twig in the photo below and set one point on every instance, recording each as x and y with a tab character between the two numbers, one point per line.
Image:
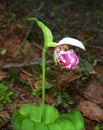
24	64
30	27
96	47
91	38
28	74
94	30
30	83
27	34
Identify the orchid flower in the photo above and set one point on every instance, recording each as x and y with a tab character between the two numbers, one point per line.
66	57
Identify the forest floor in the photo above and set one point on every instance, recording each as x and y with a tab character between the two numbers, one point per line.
20	59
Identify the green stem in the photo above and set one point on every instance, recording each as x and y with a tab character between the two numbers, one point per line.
43	78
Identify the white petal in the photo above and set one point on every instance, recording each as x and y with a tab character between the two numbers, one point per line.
71	41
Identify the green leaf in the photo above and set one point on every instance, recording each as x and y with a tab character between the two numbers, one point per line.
35	92
76	118
25	109
66	124
31	111
79	119
51	44
29	118
47	85
40	126
50	114
17	119
27	124
54	126
35	113
3	88
48	37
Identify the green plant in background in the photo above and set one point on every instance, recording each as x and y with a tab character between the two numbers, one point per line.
64	98
13	75
47	117
5	94
87	67
99	127
2	51
85	73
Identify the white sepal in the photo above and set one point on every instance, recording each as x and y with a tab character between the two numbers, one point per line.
72	42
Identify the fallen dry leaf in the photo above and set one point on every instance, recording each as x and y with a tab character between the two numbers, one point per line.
50	99
2	74
91	110
64	80
94	91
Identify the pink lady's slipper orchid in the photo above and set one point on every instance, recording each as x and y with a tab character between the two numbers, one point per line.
65	57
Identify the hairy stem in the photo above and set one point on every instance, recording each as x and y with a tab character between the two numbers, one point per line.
43	79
